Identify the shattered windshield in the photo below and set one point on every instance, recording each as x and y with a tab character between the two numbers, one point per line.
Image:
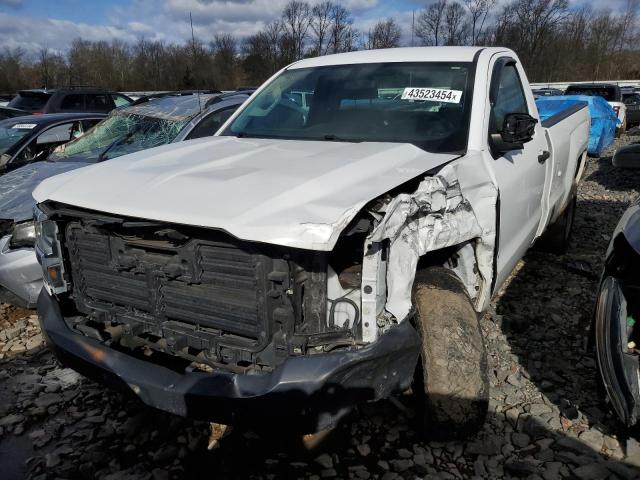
12	132
424	103
119	134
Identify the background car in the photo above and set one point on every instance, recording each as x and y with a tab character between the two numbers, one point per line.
126	130
28	139
631	99
616	325
547	92
8	112
610	92
71	99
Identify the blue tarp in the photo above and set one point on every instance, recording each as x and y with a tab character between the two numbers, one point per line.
603	119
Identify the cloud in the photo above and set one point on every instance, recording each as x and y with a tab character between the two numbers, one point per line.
33	34
168	20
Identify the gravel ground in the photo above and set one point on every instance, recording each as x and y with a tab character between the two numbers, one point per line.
547	417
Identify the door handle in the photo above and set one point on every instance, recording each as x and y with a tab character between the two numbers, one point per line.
544	156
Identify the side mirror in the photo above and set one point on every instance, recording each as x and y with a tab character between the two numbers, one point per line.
517	129
627	157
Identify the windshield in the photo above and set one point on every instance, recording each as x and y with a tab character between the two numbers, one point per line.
118	134
11	132
30	101
426	104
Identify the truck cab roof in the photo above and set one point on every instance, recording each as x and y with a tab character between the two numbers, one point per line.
399	55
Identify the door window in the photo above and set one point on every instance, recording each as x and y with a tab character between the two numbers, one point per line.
40	147
120	100
211	124
510	98
99	102
73	101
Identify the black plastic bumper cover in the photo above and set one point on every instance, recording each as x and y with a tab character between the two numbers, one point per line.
317	388
619	369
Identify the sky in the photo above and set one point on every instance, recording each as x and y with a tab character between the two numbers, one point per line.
35	24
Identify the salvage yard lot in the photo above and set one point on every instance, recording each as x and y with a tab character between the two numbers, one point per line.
546	419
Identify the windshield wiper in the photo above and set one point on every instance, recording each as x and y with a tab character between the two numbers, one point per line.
332	137
119	141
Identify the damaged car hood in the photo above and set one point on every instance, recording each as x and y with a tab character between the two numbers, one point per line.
286	192
16	187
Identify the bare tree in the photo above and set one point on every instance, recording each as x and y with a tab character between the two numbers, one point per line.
385	34
529	25
454	24
45	67
224	60
341	32
430	23
296	18
478	11
320	26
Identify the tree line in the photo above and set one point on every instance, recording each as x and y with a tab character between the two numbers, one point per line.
555	43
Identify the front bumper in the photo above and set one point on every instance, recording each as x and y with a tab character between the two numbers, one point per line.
318	389
20	275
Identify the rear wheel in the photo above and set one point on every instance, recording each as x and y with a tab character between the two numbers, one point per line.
452	382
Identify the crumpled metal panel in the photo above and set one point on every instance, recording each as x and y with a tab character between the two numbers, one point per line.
437	215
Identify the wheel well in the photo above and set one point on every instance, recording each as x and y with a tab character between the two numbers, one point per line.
461	261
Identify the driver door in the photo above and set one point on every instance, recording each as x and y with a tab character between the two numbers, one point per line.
45	142
519	174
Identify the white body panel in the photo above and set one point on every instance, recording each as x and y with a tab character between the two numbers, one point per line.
293	193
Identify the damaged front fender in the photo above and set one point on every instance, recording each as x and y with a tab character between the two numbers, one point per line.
447	209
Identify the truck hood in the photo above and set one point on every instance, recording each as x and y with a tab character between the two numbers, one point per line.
16	187
286	192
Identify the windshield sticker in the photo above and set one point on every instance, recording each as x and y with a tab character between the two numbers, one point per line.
432	94
25	126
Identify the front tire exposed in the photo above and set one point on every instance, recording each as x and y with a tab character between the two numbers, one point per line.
452	382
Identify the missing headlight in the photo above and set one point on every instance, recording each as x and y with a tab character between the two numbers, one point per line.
23	235
48	252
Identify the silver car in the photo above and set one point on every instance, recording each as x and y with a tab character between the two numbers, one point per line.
158	121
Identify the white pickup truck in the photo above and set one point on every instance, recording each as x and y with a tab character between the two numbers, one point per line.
311	256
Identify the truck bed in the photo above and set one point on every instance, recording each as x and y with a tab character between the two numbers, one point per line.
567	132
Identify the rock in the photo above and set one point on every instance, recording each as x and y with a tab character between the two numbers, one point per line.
159	474
534	427
593	438
573	445
48	399
11	333
623	471
521	468
51	460
363	449
520	440
592	471
11	420
324	461
538	409
34	342
41	440
491	445
404	453
401	465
